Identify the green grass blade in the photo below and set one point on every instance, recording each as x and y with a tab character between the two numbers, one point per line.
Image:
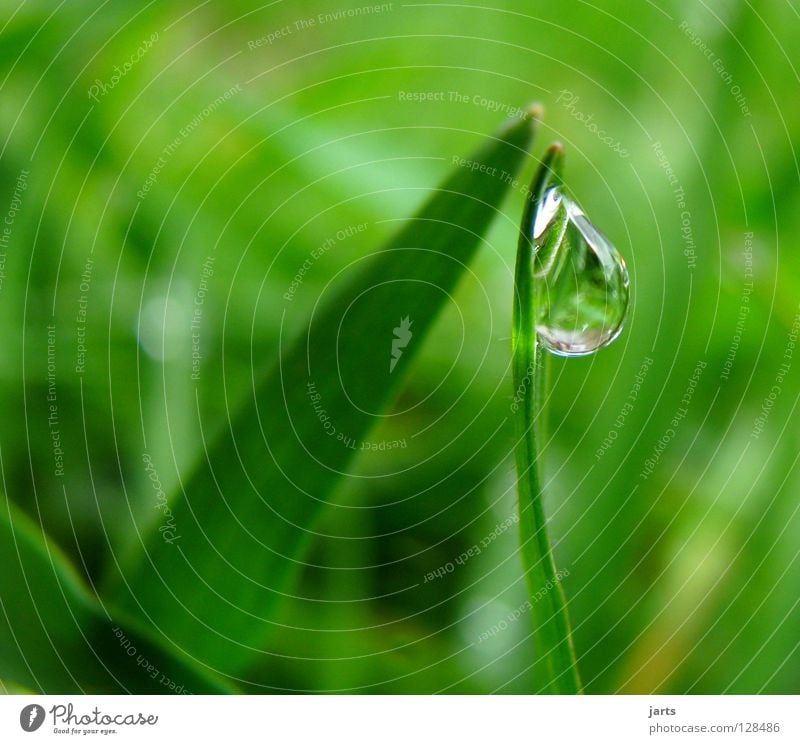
56	638
552	634
246	514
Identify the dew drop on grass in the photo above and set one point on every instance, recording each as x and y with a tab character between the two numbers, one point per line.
580	279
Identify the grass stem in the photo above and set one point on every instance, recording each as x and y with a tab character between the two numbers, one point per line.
552	633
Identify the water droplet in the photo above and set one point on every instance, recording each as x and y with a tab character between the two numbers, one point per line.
580	279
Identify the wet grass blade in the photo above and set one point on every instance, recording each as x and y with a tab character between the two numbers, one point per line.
552	634
246	514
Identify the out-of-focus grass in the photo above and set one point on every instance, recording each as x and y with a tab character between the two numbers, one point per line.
248	527
683	581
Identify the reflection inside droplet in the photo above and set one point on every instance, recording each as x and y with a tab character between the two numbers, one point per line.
580	279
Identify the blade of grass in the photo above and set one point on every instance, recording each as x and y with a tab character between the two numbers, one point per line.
55	637
247	513
552	633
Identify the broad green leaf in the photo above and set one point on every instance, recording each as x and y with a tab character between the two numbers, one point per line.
246	514
56	638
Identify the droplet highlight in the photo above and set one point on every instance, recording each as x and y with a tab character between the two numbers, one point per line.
580	280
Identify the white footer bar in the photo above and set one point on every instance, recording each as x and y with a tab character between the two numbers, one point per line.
400	720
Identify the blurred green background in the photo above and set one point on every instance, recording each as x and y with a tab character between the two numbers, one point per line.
153	152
